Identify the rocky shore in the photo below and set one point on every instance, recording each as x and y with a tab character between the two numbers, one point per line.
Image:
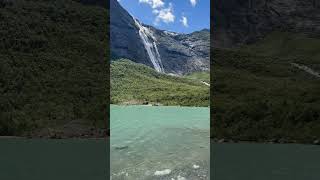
88	133
75	129
198	170
140	102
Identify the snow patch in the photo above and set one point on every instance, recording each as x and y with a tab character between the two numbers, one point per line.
171	33
306	69
207	84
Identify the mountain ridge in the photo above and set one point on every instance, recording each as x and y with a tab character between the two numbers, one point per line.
179	53
244	22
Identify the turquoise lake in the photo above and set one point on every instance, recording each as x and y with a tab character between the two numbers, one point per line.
38	159
249	161
159	142
48	159
149	140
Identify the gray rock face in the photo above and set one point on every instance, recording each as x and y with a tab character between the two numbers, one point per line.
239	22
183	53
124	36
180	53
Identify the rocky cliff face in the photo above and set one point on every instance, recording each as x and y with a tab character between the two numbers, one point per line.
239	22
124	36
179	53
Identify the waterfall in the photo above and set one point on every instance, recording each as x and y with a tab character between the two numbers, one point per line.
149	42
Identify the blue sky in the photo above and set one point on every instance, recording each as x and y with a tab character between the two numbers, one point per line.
183	16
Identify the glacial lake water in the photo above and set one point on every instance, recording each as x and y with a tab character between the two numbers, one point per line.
245	161
48	159
159	142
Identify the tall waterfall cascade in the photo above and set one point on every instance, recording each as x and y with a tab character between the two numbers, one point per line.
149	42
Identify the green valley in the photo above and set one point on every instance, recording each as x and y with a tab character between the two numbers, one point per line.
202	76
133	83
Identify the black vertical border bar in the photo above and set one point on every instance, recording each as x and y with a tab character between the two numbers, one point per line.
108	88
211	84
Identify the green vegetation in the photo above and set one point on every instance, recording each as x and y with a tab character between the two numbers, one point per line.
299	47
137	84
202	76
258	95
53	65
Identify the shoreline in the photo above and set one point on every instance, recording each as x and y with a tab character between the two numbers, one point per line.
212	140
50	138
268	141
89	134
158	105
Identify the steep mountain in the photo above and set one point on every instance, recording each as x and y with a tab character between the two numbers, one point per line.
167	52
241	22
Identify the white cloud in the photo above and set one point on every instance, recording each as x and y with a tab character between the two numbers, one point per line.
184	21
153	3
165	14
162	13
193	2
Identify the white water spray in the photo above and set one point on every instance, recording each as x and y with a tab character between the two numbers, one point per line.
149	42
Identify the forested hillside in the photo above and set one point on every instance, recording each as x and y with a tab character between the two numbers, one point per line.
259	94
134	83
53	73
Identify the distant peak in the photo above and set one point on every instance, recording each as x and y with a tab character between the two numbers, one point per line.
205	29
171	33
